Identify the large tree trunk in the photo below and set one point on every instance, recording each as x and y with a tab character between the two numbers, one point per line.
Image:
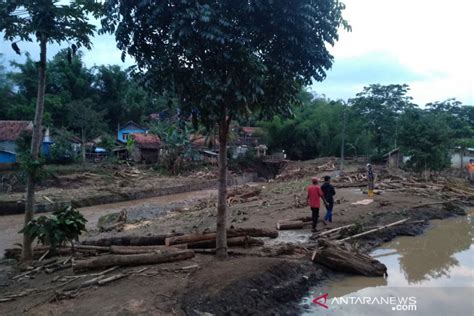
108	261
83	148
341	260
191	238
36	141
130	240
221	238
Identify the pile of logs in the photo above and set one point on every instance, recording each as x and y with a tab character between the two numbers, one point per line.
143	250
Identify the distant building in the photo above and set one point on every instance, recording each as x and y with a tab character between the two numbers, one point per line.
394	158
459	155
146	148
249	136
128	129
10	131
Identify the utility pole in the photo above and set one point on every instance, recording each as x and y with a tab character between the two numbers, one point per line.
343	136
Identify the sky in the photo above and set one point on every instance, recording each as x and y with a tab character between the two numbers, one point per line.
427	44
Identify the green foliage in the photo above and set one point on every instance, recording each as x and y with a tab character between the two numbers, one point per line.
65	225
379	107
227	59
61	152
314	130
175	144
426	138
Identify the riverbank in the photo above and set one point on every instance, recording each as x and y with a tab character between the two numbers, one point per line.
264	280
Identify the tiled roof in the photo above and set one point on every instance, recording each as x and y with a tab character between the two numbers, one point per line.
147	140
250	130
11	130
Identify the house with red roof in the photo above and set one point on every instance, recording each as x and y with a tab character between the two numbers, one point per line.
146	148
10	131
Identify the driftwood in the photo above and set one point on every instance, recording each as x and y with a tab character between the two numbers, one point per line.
327	232
338	259
191	238
130	240
374	230
241	241
130	250
131	260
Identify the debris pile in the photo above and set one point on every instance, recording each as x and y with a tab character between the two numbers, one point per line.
298	170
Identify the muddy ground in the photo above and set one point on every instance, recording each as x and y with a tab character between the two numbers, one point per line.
266	280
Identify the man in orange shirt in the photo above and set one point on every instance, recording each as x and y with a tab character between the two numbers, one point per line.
314	195
470	170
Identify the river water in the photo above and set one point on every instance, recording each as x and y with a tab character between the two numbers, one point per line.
431	274
11	224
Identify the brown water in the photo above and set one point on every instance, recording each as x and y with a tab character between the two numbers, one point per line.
431	274
11	224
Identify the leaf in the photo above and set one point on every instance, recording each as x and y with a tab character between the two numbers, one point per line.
16	48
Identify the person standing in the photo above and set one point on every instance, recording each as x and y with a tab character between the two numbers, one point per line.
329	193
370	180
315	194
470	170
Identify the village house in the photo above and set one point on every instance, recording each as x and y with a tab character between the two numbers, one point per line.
129	128
460	158
394	158
10	131
146	148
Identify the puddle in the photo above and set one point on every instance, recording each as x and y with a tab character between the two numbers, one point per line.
431	274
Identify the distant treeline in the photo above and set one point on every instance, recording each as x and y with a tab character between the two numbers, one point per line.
375	121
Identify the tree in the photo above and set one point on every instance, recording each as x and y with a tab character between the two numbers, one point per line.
45	21
85	121
425	138
379	106
227	59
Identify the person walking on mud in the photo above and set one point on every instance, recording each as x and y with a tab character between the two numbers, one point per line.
370	180
315	194
329	193
470	170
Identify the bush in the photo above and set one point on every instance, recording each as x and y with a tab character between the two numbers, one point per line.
65	225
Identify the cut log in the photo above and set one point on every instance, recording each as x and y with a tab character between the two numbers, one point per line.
374	230
242	241
130	250
254	232
131	260
341	260
286	225
130	240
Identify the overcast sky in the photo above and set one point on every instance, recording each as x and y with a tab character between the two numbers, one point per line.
427	44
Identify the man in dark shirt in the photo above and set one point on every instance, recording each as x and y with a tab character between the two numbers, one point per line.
329	192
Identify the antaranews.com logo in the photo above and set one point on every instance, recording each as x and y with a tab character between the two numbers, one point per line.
400	303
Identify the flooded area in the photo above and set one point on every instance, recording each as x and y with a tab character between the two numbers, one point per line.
11	224
431	274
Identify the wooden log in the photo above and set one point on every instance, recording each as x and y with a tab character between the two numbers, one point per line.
130	240
241	241
374	230
341	260
286	225
131	260
254	232
130	250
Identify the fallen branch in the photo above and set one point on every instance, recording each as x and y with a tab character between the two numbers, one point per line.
373	230
327	232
